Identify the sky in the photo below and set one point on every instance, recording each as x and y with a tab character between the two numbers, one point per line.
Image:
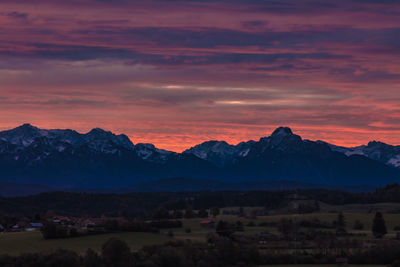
177	73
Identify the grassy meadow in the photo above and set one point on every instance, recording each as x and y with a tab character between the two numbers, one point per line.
22	242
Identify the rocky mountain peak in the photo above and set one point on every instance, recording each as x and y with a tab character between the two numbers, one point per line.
282	131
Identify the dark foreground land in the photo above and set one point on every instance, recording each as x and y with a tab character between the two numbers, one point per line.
259	228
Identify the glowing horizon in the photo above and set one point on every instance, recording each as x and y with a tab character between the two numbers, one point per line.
135	139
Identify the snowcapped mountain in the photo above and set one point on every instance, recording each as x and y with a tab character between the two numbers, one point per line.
22	136
220	152
150	153
26	134
387	154
99	158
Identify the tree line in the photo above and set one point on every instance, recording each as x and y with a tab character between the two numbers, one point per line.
143	205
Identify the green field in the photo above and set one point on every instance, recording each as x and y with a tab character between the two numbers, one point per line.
352	212
17	243
21	242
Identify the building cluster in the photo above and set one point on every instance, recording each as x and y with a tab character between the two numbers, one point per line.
22	226
73	222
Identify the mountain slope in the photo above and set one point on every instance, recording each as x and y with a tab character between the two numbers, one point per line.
285	156
220	153
101	159
26	134
387	154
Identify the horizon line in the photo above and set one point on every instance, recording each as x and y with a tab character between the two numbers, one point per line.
181	151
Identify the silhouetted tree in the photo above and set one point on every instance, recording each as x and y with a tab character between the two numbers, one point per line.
340	224
224	229
228	252
241	211
49	230
177	214
92	259
116	253
214	211
161	213
171	233
288	228
63	258
379	226
189	213
203	213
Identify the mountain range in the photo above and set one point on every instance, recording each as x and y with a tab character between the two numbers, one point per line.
66	159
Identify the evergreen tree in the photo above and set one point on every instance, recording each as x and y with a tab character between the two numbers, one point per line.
241	211
203	213
379	226
92	259
214	211
340	224
116	253
177	214
316	204
224	229
161	213
189	213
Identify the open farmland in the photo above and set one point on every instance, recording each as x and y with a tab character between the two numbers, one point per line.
22	242
26	242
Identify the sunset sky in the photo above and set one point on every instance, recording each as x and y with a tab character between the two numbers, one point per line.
176	73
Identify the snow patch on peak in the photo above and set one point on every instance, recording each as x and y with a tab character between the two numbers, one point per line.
220	152
244	153
24	135
99	135
204	150
395	161
145	146
149	152
355	151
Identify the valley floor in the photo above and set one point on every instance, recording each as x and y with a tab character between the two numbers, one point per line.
23	242
26	242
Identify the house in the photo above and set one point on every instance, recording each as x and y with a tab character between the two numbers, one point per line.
16	228
33	226
61	220
88	223
207	223
36	225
